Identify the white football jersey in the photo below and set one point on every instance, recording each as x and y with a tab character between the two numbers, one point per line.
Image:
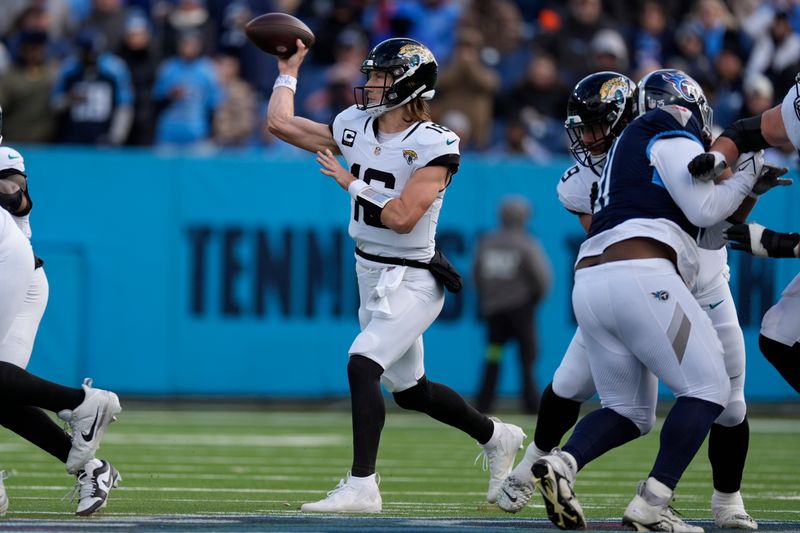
782	322
11	159
387	165
575	188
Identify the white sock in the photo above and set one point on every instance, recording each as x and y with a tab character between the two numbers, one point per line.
91	464
495	434
532	454
362	481
726	499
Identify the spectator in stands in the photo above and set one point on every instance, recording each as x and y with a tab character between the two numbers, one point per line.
727	101
540	89
235	118
340	78
187	91
690	57
512	275
776	53
93	93
467	85
36	18
140	55
108	17
185	16
25	92
608	51
714	19
498	22
570	44
652	40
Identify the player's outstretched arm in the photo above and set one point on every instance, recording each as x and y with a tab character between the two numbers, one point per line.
281	120
757	240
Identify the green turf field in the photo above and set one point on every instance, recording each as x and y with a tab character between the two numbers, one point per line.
266	463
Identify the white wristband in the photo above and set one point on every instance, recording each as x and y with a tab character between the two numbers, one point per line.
285	80
356	187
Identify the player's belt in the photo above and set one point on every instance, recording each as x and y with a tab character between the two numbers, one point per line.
399	261
439	266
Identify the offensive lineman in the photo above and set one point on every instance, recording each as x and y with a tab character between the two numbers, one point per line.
96	477
642	248
779	126
596	116
400	164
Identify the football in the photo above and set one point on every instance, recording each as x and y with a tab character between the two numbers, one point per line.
277	33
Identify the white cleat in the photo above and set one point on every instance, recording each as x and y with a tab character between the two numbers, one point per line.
353	495
733	517
650	510
554	476
3	495
88	423
94	483
516	491
499	454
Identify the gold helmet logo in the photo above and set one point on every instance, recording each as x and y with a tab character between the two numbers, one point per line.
416	53
615	90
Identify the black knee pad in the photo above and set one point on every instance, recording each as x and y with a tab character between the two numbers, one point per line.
415	398
362	369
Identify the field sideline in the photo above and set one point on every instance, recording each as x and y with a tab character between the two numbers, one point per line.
250	470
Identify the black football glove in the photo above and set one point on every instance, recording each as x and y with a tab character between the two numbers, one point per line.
707	166
770	177
757	240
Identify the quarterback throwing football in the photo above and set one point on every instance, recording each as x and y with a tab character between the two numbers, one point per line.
400	164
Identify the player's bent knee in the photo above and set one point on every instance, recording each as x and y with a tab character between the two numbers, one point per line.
363	369
365	344
570	389
643	418
414	398
733	415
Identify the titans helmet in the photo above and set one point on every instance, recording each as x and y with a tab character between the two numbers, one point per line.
671	86
599	108
412	73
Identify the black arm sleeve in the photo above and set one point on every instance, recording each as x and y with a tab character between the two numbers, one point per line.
746	134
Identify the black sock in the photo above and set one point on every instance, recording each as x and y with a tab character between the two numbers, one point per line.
556	416
368	412
727	451
446	405
785	359
18	386
35	426
684	431
598	432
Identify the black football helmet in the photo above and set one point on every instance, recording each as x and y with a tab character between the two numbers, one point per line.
413	72
599	108
672	86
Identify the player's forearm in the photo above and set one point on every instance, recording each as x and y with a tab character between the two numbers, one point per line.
398	217
280	112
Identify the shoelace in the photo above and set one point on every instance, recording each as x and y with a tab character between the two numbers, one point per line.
344	485
487	458
83	485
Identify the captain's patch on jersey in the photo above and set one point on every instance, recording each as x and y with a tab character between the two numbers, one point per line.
348	137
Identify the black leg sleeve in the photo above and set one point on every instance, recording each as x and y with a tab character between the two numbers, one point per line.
442	403
727	451
369	413
785	359
35	426
18	386
556	416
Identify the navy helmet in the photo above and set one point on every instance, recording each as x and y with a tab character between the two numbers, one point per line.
599	108
672	86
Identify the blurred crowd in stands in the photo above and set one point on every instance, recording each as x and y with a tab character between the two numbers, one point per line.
182	73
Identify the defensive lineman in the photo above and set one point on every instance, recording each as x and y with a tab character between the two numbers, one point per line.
400	164
596	116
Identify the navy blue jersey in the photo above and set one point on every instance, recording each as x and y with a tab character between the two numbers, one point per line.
630	187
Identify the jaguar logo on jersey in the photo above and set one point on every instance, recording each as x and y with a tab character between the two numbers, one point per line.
410	156
686	87
348	137
614	90
661	295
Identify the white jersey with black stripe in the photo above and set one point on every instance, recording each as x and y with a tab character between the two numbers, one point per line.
387	162
575	188
12	160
